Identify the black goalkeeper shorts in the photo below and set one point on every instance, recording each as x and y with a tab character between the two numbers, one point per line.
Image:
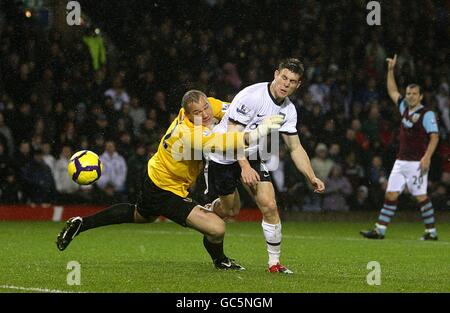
154	201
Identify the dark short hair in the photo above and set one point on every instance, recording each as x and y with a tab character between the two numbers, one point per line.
190	97
415	86
292	64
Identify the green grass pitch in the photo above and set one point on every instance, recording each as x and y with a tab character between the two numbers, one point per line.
164	257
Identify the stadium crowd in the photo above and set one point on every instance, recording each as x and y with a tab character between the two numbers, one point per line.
58	96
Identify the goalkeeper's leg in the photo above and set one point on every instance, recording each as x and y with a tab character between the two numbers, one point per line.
115	214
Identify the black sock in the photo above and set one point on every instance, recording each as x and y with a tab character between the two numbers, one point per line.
215	250
115	214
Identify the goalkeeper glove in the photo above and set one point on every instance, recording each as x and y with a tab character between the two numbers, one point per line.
269	124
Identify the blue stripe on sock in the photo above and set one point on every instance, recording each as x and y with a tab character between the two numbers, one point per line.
428	213
391	207
387	212
429	220
426	206
384	219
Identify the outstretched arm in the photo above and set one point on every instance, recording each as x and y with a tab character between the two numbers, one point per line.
302	162
202	139
391	84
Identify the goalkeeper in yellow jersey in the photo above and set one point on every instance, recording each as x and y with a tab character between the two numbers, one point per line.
170	173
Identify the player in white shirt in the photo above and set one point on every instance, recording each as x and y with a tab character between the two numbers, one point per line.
247	110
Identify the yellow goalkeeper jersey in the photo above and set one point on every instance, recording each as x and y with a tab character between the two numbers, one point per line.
178	161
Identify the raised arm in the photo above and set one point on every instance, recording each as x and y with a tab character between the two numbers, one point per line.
391	84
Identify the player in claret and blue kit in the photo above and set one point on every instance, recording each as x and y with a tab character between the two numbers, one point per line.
418	141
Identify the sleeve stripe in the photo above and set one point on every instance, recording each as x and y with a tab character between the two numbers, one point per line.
237	122
289	134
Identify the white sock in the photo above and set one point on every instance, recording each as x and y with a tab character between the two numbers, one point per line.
381	228
272	233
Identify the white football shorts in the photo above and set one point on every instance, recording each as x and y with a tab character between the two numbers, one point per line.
408	173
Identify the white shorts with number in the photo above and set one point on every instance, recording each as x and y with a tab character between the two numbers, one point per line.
407	173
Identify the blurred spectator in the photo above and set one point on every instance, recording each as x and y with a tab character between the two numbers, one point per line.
376	170
103	127
136	164
440	198
65	186
99	144
38	180
370	126
137	114
353	170
328	133
96	46
23	156
125	145
359	136
320	92
83	144
360	200
350	145
10	191
118	94
444	153
321	163
46	87
322	166
338	188
369	94
405	62
335	153
114	169
232	76
149	132
5	131
375	54
22	123
68	135
5	162
49	159
443	102
317	119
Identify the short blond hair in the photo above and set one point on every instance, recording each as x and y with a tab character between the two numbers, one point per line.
191	96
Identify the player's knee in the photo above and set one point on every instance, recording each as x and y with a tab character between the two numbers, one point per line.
217	230
421	198
391	196
269	209
268	205
271	216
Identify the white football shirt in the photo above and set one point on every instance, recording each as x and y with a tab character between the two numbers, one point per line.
249	108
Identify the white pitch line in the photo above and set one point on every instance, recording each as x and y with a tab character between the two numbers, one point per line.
180	233
35	289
